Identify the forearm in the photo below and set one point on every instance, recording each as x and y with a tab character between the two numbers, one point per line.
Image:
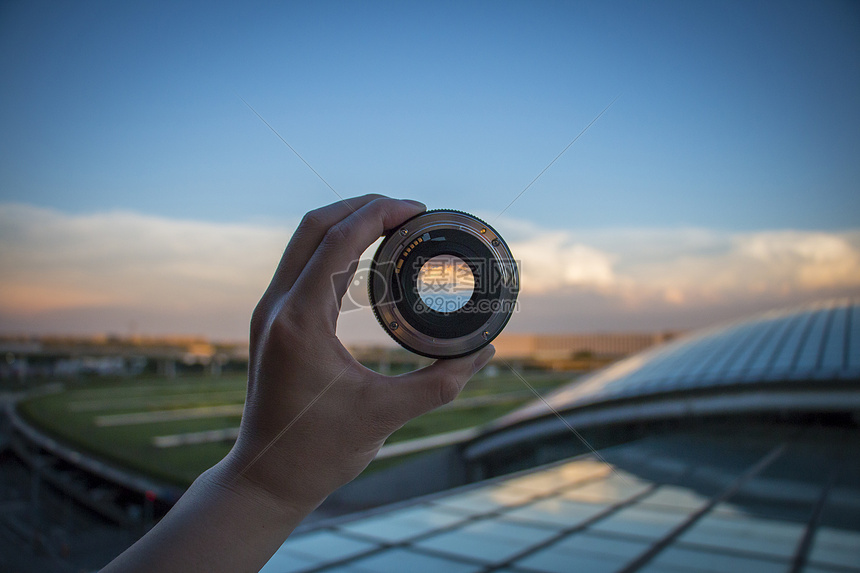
222	523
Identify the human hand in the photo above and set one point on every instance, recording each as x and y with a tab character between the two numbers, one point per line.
314	417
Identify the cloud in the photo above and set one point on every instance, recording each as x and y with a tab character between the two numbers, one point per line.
551	261
53	261
808	260
688	266
98	272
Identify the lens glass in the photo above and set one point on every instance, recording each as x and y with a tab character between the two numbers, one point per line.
445	283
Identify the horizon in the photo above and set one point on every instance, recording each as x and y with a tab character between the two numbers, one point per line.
138	193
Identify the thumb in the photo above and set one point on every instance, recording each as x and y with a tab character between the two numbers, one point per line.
426	389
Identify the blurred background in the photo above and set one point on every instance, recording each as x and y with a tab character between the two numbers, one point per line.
144	206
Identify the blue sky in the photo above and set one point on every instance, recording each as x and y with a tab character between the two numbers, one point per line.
736	115
733	117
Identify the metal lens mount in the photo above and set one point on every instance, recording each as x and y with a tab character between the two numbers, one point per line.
443	284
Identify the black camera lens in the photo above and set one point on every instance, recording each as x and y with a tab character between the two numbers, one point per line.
443	284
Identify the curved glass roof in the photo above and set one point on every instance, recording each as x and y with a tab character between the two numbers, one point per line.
811	344
670	504
744	498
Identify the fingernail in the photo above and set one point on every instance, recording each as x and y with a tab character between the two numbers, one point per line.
416	203
483	357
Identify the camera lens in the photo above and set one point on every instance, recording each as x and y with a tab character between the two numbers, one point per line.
443	284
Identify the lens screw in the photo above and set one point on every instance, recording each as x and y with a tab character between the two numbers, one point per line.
486	334
404	232
496	242
393	325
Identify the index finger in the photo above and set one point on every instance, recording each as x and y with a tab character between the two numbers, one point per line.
343	245
308	236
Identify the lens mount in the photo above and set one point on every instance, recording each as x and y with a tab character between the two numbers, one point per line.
443	284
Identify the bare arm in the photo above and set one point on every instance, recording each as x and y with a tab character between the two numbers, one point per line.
314	417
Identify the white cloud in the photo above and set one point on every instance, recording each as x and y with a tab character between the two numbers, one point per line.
810	260
552	260
53	261
92	272
688	266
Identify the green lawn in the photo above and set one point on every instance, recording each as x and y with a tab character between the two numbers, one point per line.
71	416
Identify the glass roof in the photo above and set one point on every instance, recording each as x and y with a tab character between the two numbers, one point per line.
689	502
815	343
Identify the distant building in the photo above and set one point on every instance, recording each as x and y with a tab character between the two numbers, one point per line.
24	357
576	351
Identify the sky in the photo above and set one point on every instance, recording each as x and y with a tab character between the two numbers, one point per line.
139	194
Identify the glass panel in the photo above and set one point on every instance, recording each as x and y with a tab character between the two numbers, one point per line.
506	529
486	499
640	522
854	339
763	509
675	373
730	352
682	559
764	536
675	498
834	350
763	356
703	361
400	525
488	540
556	511
793	480
666	466
836	547
611	490
553	561
581	470
664	364
642	375
399	560
324	545
762	336
807	356
602	546
549	480
783	360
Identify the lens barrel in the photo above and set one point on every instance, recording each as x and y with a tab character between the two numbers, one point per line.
443	284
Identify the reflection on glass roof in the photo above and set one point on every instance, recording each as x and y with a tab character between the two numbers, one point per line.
811	344
665	504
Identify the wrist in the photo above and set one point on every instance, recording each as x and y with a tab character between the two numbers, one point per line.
231	475
228	477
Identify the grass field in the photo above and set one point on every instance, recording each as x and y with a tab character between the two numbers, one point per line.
94	416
